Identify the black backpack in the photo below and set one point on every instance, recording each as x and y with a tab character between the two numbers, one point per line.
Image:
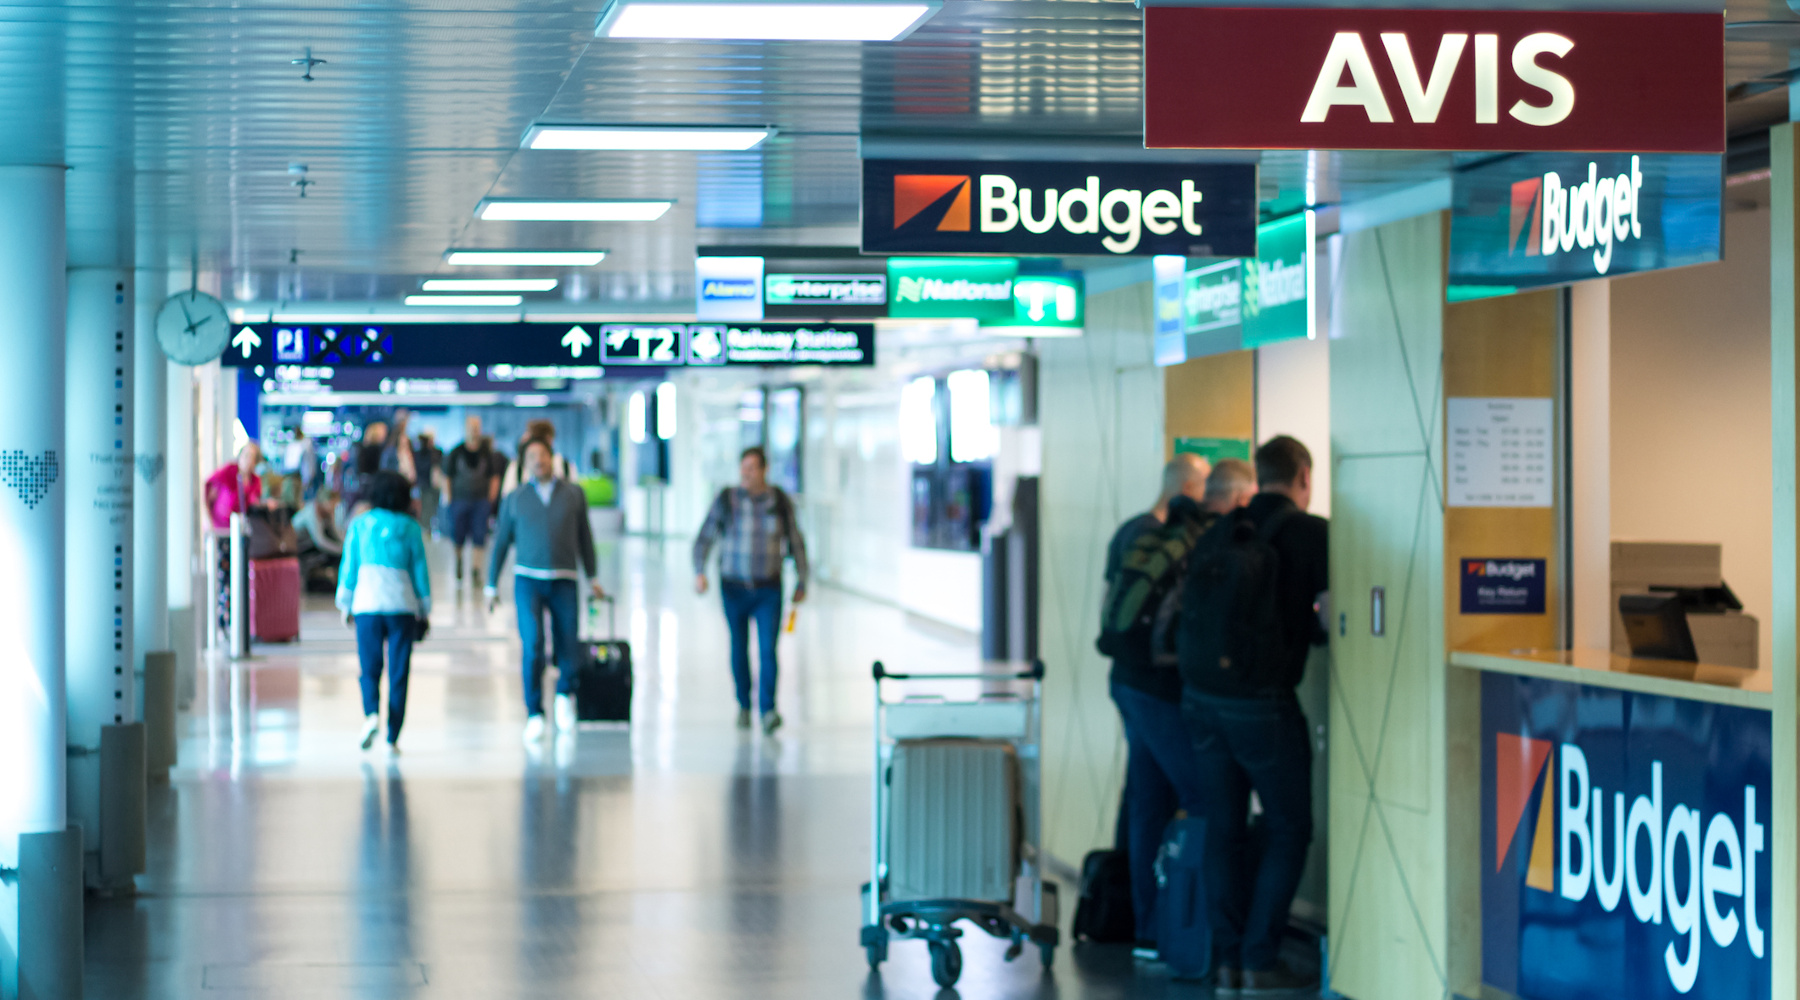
1231	640
1143	602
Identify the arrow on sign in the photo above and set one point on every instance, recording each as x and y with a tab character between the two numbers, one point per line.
246	339
577	340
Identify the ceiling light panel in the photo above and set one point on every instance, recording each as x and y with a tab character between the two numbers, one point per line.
464	300
488	284
583	210
747	20
634	137
524	258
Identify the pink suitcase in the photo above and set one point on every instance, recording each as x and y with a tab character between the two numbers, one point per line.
275	599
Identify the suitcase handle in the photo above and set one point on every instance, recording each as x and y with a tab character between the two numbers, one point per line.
612	614
1035	673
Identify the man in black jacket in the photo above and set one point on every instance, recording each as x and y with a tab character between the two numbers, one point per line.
1249	734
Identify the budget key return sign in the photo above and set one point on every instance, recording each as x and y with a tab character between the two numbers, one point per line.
1509	80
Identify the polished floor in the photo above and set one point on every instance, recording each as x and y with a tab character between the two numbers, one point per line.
678	860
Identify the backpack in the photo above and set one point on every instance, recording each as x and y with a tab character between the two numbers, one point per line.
1231	640
1104	913
1143	602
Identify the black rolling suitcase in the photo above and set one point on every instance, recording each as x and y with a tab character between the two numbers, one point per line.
603	687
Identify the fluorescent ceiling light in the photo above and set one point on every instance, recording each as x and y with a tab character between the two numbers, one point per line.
488	284
633	137
464	300
583	210
746	20
524	258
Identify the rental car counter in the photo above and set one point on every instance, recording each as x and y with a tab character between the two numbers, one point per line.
1614	772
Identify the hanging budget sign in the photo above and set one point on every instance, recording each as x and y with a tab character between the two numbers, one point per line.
1625	844
1326	78
1550	218
1058	209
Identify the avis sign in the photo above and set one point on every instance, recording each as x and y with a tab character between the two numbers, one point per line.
1625	844
1236	78
1035	209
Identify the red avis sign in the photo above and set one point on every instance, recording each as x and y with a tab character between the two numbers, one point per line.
1288	78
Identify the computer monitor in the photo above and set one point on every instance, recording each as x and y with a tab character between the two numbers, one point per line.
1656	627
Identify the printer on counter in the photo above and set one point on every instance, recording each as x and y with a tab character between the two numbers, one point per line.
1670	584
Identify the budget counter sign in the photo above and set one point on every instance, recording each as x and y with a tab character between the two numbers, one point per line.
1331	78
1551	218
1503	586
1625	844
1058	209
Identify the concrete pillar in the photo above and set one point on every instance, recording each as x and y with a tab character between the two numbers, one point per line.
1784	397
150	500
33	706
101	669
180	480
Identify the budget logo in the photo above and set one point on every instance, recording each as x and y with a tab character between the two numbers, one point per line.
943	197
1677	872
1546	217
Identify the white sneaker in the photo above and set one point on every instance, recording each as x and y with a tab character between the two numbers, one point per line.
371	726
564	707
534	730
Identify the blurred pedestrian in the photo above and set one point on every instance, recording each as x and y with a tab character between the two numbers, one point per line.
384	591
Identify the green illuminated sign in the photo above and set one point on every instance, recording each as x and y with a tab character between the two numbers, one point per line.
1278	283
1213	449
1044	305
1212	297
939	287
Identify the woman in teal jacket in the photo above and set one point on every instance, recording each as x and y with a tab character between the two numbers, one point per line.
383	583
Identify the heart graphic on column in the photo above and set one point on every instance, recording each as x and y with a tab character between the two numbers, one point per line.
31	478
150	466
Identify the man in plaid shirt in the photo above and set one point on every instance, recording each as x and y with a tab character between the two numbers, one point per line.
754	524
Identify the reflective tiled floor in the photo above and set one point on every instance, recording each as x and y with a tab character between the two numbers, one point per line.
679	859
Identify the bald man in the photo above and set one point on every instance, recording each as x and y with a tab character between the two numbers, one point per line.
1159	760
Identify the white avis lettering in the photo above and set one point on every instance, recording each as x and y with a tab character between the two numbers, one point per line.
1424	95
1125	213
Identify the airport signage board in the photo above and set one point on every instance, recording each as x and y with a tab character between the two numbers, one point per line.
939	288
1169	345
1625	843
825	291
583	346
1278	284
1058	209
1212	296
1044	305
728	288
1329	78
1550	218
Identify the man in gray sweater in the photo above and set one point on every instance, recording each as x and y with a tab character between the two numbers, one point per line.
547	519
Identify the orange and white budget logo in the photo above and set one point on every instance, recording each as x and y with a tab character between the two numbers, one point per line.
914	193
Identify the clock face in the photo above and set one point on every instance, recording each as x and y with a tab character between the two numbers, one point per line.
193	328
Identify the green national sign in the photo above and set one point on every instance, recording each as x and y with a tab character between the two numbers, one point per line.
1278	283
937	287
1213	449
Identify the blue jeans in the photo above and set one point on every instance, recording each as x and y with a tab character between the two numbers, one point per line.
394	635
1242	744
562	598
742	604
1161	775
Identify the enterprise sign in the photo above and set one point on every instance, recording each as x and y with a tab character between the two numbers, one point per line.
1327	78
1057	209
825	290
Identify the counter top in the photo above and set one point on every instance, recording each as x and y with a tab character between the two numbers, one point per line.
1670	678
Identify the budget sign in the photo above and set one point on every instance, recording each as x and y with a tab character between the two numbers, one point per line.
1291	78
1625	842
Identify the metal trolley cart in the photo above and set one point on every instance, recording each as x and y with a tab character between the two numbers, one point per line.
955	818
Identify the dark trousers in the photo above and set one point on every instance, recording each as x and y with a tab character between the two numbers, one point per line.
763	605
562	599
392	634
1161	775
1240	745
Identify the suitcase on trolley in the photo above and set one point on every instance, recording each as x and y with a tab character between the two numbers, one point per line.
956	820
275	599
603	684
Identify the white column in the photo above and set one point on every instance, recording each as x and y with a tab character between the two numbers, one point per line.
150	502
1590	459
32	487
101	672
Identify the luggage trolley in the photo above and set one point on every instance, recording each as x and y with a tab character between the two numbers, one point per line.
955	819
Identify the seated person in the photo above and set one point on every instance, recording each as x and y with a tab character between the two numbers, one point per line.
321	542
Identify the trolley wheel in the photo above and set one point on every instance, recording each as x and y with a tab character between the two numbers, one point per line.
875	946
946	962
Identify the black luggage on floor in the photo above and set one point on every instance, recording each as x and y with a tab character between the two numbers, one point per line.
1104	914
603	686
1183	919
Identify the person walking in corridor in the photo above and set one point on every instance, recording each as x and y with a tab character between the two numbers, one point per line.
1249	617
384	590
548	519
472	483
754	525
